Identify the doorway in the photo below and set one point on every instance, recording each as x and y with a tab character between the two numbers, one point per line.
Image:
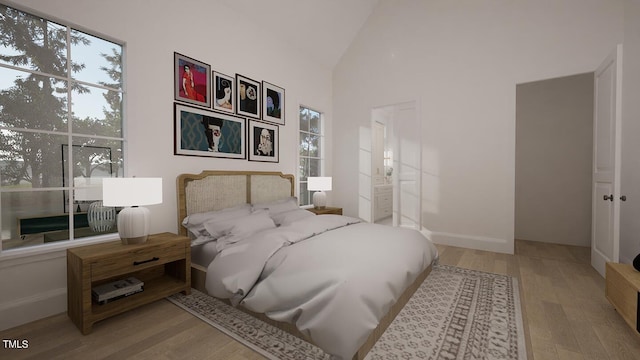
396	165
554	152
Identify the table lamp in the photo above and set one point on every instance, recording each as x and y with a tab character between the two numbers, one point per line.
319	185
100	218
132	193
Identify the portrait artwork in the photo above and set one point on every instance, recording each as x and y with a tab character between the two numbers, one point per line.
248	97
273	103
223	92
192	83
199	132
263	141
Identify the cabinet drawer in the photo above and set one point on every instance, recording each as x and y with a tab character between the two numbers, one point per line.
383	191
137	260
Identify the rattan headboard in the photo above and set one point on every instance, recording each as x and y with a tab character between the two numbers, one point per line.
215	190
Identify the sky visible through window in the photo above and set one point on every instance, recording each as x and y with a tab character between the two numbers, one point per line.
84	105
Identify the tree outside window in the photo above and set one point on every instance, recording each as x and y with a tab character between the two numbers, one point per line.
310	150
60	89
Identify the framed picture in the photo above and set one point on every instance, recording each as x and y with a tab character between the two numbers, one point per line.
247	97
263	141
272	103
223	92
91	164
192	83
200	132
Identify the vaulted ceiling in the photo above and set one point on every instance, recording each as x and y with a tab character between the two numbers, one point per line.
323	29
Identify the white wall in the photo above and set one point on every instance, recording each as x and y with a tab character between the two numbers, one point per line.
152	30
461	60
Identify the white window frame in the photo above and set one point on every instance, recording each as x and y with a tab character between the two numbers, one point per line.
321	158
54	247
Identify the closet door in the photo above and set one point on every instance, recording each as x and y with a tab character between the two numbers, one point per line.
407	150
378	153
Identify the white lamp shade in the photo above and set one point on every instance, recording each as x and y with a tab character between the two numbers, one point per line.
319	185
131	191
322	183
133	222
87	189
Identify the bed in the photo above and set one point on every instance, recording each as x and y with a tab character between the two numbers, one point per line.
258	270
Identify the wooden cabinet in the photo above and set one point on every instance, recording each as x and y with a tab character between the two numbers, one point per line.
163	263
622	291
326	210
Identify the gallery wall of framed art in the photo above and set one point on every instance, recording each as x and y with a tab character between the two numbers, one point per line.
225	116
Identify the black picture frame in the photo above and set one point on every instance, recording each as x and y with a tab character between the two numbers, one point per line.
198	90
273	103
223	92
248	97
201	132
264	141
89	157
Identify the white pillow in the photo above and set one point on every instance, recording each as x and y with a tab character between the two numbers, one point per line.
202	239
278	206
287	217
246	224
240	228
195	222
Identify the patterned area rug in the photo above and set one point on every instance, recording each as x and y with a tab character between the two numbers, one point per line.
455	314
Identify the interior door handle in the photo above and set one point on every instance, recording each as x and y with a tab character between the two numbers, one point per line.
610	197
623	197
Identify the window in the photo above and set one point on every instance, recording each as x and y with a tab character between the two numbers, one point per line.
311	150
61	94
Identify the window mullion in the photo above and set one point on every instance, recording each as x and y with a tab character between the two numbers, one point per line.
69	138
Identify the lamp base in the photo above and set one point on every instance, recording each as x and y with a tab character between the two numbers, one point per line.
319	200
133	225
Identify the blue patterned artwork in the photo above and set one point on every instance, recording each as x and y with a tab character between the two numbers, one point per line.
201	132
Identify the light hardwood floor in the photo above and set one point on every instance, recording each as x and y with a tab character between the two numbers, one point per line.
566	317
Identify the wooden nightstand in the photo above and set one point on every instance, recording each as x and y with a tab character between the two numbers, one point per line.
163	263
326	210
622	289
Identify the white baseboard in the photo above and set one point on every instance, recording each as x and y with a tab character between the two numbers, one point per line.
470	242
38	306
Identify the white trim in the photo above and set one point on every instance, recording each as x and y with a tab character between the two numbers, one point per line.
469	241
8	305
25	255
31	308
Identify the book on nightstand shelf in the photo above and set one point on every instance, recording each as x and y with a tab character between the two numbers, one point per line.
116	290
102	302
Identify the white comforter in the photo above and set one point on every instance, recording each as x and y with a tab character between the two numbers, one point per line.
333	276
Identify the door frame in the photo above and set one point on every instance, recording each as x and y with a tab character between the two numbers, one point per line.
395	183
599	258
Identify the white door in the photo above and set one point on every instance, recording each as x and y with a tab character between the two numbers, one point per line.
407	149
605	227
377	151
